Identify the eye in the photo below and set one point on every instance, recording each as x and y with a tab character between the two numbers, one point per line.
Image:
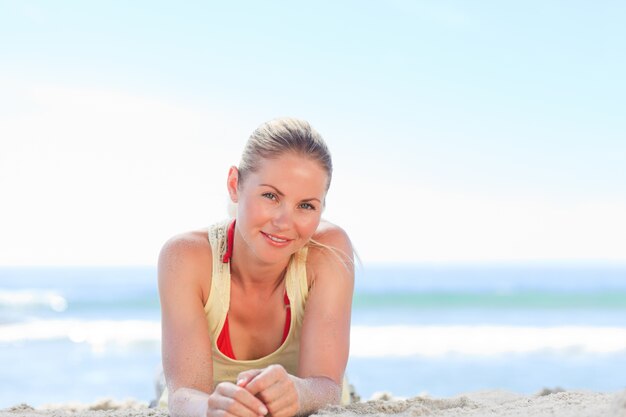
271	196
307	206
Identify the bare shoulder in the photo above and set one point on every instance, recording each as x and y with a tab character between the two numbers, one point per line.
186	259
332	248
330	234
193	243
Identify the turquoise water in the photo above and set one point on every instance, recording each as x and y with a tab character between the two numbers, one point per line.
601	300
79	334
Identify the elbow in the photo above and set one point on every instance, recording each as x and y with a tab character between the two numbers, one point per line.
187	402
315	393
334	393
330	392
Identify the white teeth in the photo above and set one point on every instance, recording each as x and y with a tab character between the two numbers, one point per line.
275	239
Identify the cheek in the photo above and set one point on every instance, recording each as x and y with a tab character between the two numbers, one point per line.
244	214
250	211
308	225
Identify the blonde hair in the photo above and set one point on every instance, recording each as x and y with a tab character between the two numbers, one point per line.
344	259
279	136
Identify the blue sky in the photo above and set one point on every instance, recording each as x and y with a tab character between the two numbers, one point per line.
483	131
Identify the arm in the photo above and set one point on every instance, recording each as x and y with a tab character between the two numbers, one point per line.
186	347
325	336
184	266
325	342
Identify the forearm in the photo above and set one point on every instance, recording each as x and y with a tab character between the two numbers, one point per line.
187	402
315	393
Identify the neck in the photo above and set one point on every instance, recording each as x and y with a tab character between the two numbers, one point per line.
266	278
249	273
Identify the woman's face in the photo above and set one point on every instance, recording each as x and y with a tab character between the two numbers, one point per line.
279	206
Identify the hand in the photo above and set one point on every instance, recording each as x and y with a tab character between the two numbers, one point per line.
275	387
232	400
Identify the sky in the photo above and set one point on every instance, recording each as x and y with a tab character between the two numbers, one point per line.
460	131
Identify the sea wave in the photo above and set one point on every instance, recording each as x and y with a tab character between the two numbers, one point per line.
601	300
403	341
366	341
27	299
99	334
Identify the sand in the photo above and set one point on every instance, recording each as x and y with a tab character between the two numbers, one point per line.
479	404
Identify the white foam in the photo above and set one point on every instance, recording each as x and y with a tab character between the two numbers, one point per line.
33	298
366	341
99	334
404	341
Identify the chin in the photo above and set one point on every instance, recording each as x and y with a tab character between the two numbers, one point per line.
271	255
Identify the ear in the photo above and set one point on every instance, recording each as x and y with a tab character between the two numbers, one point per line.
232	184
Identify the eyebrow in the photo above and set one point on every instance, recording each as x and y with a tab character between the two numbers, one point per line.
280	193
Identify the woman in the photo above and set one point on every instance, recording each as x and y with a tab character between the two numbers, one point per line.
256	311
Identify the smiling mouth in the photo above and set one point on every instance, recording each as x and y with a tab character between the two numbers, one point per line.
275	238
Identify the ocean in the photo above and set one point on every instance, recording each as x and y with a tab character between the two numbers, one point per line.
82	334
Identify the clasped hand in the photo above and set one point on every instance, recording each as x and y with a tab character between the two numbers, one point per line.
258	392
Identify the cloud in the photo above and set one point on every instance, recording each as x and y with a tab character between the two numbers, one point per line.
90	175
34	13
98	176
392	221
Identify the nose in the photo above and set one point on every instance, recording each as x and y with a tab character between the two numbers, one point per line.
282	218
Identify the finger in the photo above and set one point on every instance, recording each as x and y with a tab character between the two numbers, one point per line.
283	408
280	398
245	377
270	392
265	379
228	407
230	397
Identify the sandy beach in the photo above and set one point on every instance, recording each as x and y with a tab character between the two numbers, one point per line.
476	404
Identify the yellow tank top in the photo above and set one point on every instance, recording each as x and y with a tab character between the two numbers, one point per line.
216	308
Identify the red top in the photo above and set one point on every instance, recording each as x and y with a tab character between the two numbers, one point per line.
223	340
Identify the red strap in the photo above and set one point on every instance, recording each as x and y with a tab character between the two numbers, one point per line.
230	239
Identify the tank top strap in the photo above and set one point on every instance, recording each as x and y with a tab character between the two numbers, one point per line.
296	283
217	304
